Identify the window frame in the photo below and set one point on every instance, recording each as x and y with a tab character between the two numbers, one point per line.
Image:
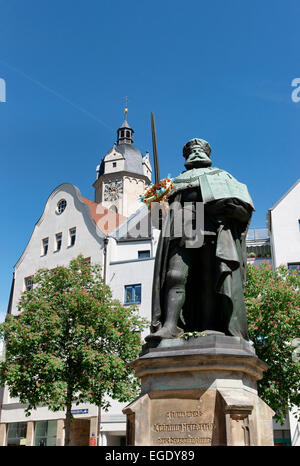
57	242
71	236
61	206
133	295
26	280
144	251
45	246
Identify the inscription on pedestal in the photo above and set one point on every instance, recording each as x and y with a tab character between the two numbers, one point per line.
192	426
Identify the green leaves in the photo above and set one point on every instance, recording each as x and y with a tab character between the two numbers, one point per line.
70	340
273	304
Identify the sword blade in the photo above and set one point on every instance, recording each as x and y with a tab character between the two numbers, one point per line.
155	155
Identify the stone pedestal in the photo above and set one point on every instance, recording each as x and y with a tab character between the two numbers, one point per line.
199	392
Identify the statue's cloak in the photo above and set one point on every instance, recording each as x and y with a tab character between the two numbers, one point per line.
230	255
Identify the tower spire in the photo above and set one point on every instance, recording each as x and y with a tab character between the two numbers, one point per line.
126	108
125	132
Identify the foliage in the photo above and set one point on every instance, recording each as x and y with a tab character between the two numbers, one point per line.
188	335
71	342
273	304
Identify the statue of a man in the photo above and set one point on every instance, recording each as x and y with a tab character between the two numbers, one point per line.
198	289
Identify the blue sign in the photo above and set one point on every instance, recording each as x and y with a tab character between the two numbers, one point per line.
79	411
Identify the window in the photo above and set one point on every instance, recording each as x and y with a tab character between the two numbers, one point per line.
58	239
133	294
28	283
16	432
282	438
45	433
72	233
114	164
61	205
45	243
114	208
143	254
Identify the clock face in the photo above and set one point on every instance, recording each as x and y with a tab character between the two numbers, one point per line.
113	190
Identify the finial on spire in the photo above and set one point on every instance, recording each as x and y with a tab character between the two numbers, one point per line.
126	109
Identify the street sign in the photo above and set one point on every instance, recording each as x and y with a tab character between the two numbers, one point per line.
79	411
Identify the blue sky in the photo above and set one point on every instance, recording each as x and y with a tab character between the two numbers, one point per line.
219	70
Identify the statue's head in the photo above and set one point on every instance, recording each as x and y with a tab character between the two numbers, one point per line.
196	152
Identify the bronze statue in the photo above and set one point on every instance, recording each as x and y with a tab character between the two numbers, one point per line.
198	289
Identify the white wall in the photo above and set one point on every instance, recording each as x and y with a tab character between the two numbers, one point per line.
285	234
89	240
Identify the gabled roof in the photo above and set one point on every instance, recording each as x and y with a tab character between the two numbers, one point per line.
106	219
90	222
286	194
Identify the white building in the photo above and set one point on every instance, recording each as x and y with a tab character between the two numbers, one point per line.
106	232
284	228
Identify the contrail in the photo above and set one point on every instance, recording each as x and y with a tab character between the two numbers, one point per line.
57	94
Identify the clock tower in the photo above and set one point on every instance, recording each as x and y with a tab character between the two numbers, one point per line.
123	174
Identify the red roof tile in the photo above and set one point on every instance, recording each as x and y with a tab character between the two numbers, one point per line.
106	219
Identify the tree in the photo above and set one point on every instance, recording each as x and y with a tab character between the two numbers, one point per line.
71	342
273	304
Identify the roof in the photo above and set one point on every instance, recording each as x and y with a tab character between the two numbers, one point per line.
126	125
276	204
106	219
133	158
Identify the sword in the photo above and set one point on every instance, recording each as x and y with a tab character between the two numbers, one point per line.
155	156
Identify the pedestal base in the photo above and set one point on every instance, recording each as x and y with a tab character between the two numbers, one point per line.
199	392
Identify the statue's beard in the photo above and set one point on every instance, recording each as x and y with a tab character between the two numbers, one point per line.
197	162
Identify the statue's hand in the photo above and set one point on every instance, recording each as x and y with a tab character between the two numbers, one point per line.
230	208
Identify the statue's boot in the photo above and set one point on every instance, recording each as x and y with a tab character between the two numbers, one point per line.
165	332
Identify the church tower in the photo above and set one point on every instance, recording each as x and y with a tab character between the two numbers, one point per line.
124	174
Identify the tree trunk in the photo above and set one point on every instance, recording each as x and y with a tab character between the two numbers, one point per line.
69	418
99	426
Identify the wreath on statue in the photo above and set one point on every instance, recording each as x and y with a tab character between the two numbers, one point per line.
157	192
